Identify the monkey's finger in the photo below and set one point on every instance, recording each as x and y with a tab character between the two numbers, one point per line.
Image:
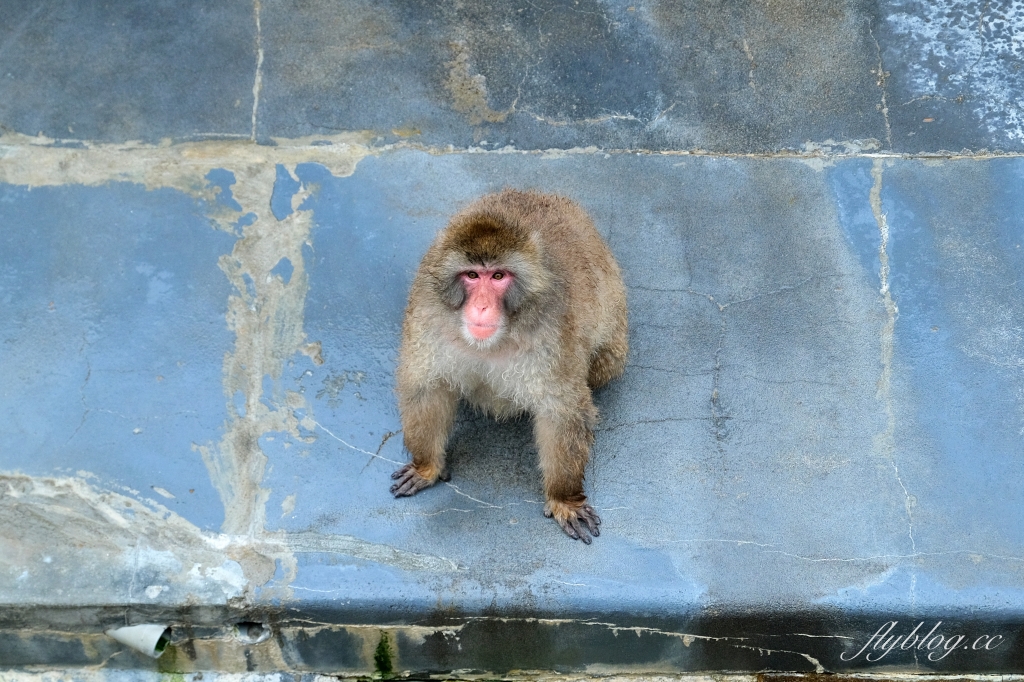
568	529
591	519
580	532
403	482
401	471
404	488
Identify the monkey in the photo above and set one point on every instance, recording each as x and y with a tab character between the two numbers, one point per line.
518	307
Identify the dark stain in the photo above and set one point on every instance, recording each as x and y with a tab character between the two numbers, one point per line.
382	657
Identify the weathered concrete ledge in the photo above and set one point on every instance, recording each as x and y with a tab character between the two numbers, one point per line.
209	218
811	463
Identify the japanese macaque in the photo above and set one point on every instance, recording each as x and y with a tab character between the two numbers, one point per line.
518	306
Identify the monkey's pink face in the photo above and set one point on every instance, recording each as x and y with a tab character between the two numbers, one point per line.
484	312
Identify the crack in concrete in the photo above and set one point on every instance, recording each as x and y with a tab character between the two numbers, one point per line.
661	114
143	418
981	39
686	638
85	405
885	441
257	84
439	512
644	422
753	65
679	373
789	382
131	583
719	415
470	497
375	455
881	76
596	120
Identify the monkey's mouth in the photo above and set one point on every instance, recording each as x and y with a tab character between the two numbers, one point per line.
482	332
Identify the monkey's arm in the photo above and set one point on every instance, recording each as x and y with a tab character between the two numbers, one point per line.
563	441
427	416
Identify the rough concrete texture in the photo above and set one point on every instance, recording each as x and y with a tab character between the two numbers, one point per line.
721	75
81	675
210	215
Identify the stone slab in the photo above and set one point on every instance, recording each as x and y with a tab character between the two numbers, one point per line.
725	77
818	432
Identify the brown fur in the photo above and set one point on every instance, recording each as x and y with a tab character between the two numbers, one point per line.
564	332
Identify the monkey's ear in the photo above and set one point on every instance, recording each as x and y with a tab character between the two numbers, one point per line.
452	292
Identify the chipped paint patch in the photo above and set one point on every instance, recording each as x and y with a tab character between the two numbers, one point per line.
469	90
821	155
265	314
39	162
53	528
57	531
960	50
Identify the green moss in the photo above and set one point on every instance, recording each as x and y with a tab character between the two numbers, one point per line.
170	666
382	657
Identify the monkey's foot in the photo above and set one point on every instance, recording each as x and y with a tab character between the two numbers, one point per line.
411	481
575	520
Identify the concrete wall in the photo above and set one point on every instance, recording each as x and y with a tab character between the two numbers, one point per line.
210	214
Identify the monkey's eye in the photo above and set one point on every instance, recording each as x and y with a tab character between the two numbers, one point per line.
498	275
472	275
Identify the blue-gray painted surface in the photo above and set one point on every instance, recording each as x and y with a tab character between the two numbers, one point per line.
127	70
651	74
816	446
113	337
762	454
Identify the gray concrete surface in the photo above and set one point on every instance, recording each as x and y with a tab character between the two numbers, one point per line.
209	218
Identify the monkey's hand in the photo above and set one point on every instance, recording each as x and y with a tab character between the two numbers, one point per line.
411	481
574	520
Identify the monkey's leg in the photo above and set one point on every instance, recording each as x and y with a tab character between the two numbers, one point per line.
607	363
426	422
564	446
609	360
